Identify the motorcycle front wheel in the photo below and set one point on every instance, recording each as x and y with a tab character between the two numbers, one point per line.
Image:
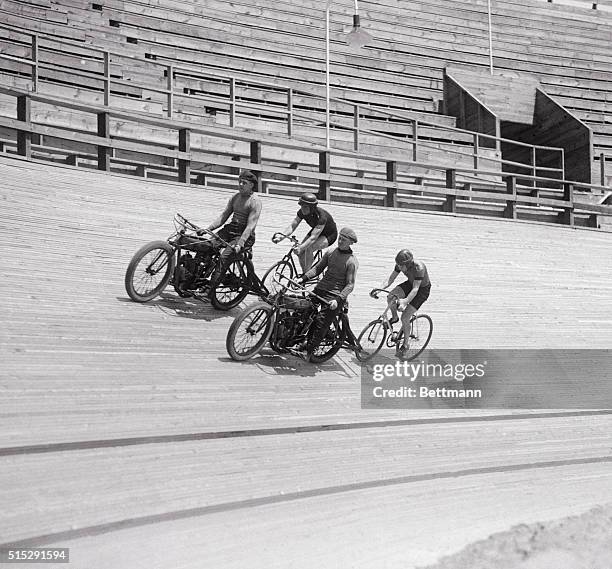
149	271
249	331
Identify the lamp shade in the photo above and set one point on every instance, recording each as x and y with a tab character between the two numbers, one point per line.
357	37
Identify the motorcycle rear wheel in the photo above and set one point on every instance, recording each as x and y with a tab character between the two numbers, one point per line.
329	345
233	288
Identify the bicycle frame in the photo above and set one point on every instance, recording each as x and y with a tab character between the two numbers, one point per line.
375	339
290	255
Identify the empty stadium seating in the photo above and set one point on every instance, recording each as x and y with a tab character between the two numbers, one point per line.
280	44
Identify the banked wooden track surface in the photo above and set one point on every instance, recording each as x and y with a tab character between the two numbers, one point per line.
129	436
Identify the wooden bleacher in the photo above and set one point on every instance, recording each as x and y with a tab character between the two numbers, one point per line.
409	67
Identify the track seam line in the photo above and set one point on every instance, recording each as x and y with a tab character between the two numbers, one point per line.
213	435
129	523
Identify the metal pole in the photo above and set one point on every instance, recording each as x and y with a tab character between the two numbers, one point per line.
490	38
327	76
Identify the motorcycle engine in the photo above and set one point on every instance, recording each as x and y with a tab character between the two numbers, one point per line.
286	327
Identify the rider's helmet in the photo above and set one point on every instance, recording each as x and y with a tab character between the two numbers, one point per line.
308	199
403	257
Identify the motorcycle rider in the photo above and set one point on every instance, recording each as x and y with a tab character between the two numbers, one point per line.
245	209
338	282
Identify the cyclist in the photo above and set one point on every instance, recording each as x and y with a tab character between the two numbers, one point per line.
409	295
245	209
340	268
322	234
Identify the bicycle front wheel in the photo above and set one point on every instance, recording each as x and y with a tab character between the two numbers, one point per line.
371	340
421	329
149	271
249	331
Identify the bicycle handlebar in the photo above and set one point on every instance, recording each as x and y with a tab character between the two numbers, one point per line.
374	292
301	286
290	237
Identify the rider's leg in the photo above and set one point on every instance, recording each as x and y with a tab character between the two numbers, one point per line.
227	256
320	327
406	316
416	303
396	294
307	255
224	260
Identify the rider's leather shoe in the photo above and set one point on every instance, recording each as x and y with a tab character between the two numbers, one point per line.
394	320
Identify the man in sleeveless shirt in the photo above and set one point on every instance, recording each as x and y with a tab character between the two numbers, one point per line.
409	295
322	234
340	268
245	209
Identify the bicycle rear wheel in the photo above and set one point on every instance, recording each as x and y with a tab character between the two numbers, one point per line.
249	331
421	329
371	339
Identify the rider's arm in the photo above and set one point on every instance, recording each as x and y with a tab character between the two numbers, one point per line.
390	279
229	208
415	288
351	273
314	235
292	227
251	223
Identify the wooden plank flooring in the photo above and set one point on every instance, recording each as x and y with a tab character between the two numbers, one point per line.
87	371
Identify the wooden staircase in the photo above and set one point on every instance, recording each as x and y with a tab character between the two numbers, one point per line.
515	106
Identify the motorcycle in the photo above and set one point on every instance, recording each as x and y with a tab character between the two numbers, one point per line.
285	320
159	263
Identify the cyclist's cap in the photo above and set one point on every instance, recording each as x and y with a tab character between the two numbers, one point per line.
308	199
403	257
249	176
349	234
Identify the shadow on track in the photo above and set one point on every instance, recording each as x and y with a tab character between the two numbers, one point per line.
190	308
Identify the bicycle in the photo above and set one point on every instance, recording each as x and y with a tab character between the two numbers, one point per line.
380	332
159	263
287	266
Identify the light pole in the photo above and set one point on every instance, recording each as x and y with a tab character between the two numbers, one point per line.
490	37
356	38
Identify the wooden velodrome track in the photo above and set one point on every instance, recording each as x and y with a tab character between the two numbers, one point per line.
128	435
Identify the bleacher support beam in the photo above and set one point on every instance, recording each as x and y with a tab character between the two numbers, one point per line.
324	168
450	205
391	199
510	211
256	159
24	137
184	166
104	152
567	215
